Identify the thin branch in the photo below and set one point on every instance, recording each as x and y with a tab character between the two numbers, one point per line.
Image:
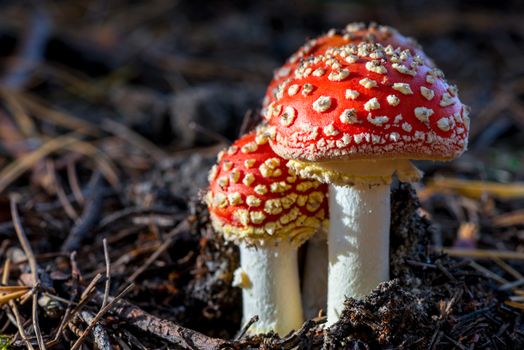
108	273
244	329
24	242
164	329
161	249
100	335
14	308
83	227
72	178
98	316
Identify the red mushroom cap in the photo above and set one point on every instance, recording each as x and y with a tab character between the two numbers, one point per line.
354	33
367	102
253	196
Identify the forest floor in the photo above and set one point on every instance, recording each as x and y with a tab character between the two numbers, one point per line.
111	116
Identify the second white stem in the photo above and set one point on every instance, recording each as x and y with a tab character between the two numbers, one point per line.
314	285
273	290
358	242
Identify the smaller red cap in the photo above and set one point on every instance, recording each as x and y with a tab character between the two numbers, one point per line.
253	196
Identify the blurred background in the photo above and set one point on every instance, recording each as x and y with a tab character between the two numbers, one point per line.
142	94
160	65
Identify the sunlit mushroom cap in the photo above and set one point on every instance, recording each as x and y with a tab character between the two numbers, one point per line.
354	33
367	101
253	196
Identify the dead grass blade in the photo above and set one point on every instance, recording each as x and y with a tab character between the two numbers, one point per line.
25	123
103	162
514	304
45	113
476	189
10	289
133	138
483	253
4	299
12	171
509	219
26	246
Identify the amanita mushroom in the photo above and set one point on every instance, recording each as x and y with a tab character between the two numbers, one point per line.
314	286
355	116
255	200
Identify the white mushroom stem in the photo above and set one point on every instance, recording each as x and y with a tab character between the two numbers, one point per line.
271	290
358	242
359	219
314	285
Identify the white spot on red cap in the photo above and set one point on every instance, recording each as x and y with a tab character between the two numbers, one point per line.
322	104
253	201
446	100
261	189
403	88
423	113
376	67
430	79
368	83
257	217
403	69
249	163
307	89
235	198
394	136
352	94
377	120
427	93
288	117
444	124
349	116
223	182
351	59
372	104
234	175
249	147
393	100
338	75
330	130
248	179
293	89
318	72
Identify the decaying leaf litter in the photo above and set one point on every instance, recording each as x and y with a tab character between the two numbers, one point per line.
106	136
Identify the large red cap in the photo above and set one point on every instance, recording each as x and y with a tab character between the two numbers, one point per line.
253	196
354	33
366	101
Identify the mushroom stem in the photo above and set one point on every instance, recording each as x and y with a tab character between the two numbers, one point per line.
358	242
272	291
314	287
